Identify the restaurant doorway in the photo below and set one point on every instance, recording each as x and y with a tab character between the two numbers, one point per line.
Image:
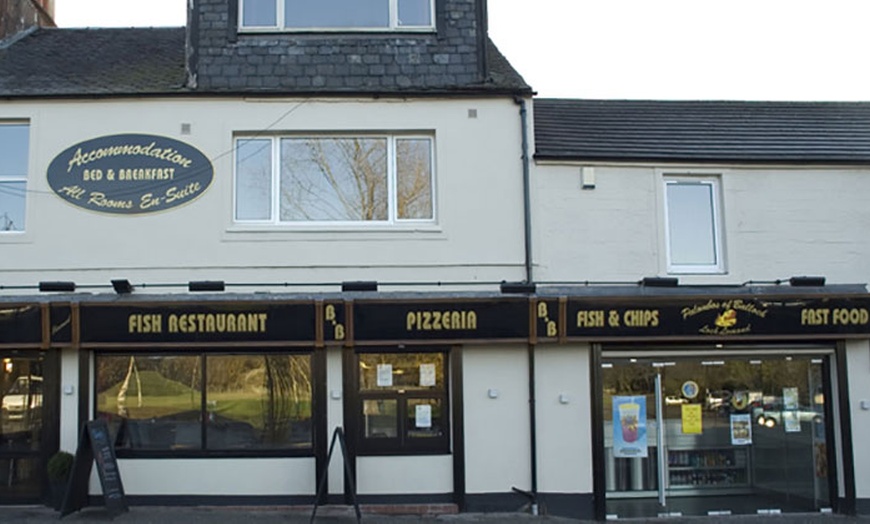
720	434
25	425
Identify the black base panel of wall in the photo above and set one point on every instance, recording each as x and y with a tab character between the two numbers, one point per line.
748	504
861	507
426	498
212	500
573	505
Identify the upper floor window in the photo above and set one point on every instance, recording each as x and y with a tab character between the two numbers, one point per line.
14	138
335	180
693	230
295	15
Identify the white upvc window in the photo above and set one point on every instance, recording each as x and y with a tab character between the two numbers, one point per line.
693	231
14	150
336	180
332	15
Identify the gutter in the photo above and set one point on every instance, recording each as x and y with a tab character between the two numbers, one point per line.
532	495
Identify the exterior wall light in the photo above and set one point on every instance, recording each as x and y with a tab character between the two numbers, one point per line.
122	286
807	281
524	288
660	282
57	287
360	285
206	285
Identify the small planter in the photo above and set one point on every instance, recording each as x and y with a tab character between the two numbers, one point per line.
58	469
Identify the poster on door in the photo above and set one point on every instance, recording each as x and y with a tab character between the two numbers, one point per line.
629	427
741	430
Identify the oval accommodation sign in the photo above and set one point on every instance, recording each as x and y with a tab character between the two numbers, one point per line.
130	174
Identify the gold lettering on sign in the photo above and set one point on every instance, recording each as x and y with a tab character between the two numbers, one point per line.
850	317
168	154
330	316
218	323
590	319
149	323
815	316
440	320
641	318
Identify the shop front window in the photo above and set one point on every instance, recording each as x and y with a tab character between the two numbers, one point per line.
204	403
403	403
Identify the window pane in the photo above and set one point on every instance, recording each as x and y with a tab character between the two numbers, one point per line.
259	13
337	13
259	402
691	225
415	13
13	150
156	400
254	179
406	371
333	179
380	418
12	199
426	418
21	394
414	178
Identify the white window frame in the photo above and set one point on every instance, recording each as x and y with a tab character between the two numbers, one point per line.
392	198
714	183
280	17
21	179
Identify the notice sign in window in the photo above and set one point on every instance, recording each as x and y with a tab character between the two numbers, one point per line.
691	416
423	416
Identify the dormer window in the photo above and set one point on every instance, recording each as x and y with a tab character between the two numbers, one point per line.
337	15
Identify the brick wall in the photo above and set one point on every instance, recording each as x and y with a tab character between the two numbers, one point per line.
18	15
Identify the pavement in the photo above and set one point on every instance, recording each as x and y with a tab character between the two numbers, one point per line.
346	515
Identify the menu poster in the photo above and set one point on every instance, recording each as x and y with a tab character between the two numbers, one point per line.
741	430
691	419
629	427
789	398
427	375
423	416
385	375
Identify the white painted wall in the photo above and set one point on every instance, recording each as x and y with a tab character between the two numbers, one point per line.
422	474
778	222
564	425
497	451
478	234
69	404
241	477
858	362
334	417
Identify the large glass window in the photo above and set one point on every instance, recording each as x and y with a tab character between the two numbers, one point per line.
693	226
403	403
14	140
337	14
199	403
350	180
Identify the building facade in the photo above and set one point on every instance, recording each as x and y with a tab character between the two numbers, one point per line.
229	240
720	204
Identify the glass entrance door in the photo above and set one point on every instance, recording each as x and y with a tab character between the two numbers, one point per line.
714	435
22	424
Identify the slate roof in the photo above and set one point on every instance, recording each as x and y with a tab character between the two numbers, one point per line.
702	131
58	62
50	62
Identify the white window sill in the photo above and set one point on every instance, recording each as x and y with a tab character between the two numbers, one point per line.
331	233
